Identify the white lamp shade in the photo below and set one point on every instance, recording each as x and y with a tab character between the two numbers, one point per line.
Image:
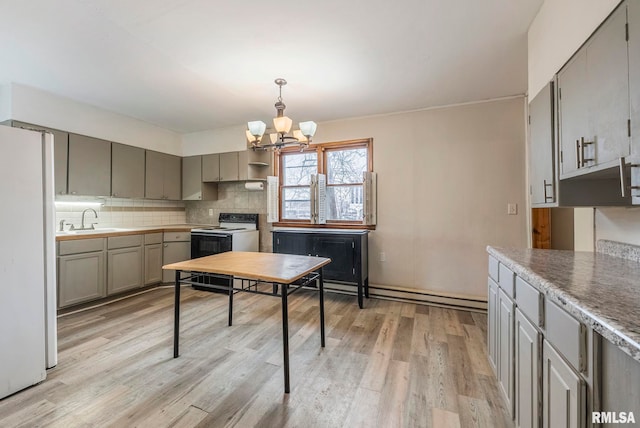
257	128
273	137
282	124
308	128
298	135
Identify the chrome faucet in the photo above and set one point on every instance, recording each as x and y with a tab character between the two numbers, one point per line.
92	224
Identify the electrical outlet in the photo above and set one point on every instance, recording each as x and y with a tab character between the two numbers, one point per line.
210	212
512	209
383	256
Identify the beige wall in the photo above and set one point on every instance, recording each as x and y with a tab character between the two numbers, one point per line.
445	177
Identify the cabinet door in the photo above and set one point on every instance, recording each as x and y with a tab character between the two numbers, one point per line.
505	348
541	151
81	277
60	160
572	103
172	183
342	252
564	401
154	175
527	393
124	269
608	90
243	165
152	264
174	252
292	243
634	73
192	178
127	171
211	167
492	324
229	166
89	166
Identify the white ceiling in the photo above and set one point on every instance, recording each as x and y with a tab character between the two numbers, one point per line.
192	65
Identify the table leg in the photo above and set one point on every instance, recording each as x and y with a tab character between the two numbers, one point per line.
360	299
321	286
285	336
176	316
366	288
230	301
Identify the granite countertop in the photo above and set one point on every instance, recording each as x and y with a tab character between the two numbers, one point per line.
598	289
319	230
107	232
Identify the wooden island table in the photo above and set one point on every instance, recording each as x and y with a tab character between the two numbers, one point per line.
246	272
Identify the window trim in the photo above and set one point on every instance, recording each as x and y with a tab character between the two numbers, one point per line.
321	151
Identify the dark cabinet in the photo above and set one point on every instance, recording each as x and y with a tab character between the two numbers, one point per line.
348	252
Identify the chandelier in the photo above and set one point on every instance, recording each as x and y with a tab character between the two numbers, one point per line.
282	125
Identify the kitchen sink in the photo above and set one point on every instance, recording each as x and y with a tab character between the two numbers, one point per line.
87	232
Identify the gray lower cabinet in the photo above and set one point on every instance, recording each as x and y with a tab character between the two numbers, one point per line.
89	166
163	176
81	271
527	356
563	392
176	248
492	330
505	366
124	263
127	171
152	264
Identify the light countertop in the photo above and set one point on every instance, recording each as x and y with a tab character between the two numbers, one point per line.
107	232
600	290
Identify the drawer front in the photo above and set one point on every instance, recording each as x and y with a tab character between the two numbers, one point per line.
506	281
115	242
493	268
153	238
566	334
81	246
530	301
177	236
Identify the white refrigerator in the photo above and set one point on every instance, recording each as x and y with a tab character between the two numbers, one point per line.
28	344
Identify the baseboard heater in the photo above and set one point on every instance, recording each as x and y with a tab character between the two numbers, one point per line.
413	296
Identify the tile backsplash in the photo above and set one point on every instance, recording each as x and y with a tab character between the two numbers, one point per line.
233	197
119	212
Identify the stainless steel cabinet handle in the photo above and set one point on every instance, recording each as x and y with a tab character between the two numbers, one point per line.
546	198
583	160
623	178
578	153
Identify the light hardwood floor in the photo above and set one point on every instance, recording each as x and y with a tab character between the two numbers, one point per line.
389	365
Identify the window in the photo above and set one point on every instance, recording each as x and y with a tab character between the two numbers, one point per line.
343	164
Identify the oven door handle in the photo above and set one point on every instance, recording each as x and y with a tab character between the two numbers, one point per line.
207	235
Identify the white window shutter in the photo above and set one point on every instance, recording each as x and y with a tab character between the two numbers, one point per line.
321	205
318	198
273	204
370	191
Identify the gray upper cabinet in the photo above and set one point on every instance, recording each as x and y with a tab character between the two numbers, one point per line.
162	176
541	153
89	166
220	167
211	167
634	74
594	100
229	166
127	171
193	189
